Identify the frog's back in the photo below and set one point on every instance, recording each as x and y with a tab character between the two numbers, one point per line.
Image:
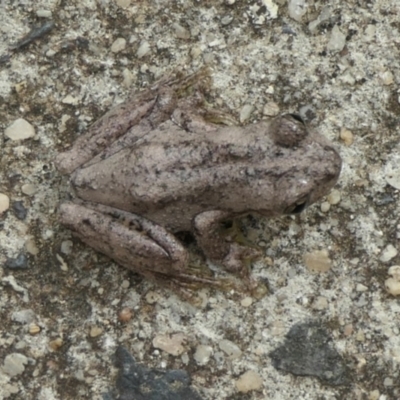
172	175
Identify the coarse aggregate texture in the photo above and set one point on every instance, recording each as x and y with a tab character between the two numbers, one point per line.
337	64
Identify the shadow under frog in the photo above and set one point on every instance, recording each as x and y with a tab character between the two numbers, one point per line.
155	165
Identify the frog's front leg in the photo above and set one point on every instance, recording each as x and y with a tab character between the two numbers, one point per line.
132	241
222	250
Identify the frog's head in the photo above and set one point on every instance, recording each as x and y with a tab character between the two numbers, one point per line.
312	165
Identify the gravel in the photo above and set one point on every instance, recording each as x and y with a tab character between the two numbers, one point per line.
63	64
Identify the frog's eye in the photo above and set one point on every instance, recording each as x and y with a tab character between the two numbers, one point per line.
297	207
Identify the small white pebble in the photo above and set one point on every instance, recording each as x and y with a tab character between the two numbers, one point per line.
123	3
361	288
20	130
246	302
271	109
337	41
4	202
393	179
125	284
394	271
31	247
143	49
346	136
66	246
29	189
246	112
69	99
249	381
171	344
325	206
180	31
42	13
388	253
202	354
392	286
386	77
118	45
318	261
297	9
334	197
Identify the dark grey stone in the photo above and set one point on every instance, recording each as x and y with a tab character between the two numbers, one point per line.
19	210
135	382
20	262
307	351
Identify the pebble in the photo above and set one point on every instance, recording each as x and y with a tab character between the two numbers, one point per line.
346	136
19	209
143	49
66	247
337	41
125	284
152	297
34	329
386	77
125	315
348	329
226	20
118	45
249	381
202	354
246	302
297	9
123	3
26	316
95	331
334	197
20	129
388	382
14	364
325	206
128	78
246	112
230	349
70	100
388	253
19	262
29	189
271	7
393	179
180	31
56	344
271	109
392	284
374	395
171	344
360	336
361	288
4	202
318	261
42	13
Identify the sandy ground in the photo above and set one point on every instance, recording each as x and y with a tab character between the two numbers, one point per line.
337	65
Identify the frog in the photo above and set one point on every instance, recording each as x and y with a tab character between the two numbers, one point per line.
163	163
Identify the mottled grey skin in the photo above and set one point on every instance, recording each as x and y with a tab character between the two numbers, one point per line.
153	167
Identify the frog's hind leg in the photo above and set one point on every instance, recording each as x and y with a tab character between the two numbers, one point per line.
132	241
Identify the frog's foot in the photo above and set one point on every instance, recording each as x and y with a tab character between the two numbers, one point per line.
238	262
130	240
